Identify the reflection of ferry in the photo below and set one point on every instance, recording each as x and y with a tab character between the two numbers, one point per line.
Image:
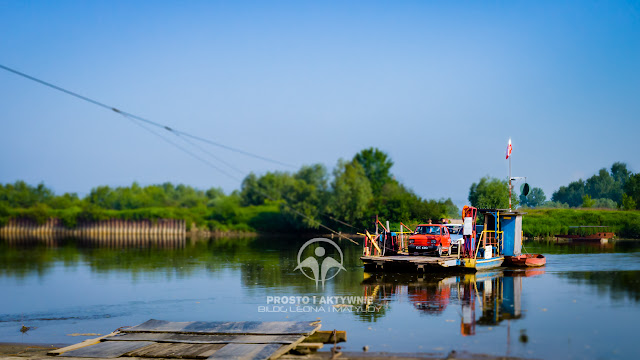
497	294
430	297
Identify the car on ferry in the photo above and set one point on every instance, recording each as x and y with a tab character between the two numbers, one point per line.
455	232
430	238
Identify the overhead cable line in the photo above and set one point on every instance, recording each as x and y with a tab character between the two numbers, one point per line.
150	122
182	148
183	135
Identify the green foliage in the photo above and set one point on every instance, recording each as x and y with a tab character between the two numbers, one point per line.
604	185
5	214
377	166
306	198
551	222
535	198
554	205
604	204
491	193
272	202
628	203
632	190
302	197
271	186
22	195
351	191
587	202
571	194
137	197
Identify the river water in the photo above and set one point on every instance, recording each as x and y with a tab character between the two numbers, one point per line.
584	304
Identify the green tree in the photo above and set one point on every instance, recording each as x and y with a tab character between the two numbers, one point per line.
535	198
632	189
603	186
101	196
587	202
306	197
351	192
23	195
571	194
270	186
628	203
620	173
491	193
377	166
314	175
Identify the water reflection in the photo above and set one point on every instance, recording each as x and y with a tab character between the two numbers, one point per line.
483	298
100	288
556	247
618	285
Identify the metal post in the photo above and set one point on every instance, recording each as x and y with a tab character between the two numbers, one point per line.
510	187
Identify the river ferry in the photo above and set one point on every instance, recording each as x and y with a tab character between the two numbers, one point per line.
488	235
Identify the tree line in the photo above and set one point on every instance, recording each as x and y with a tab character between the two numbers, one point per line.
616	188
346	199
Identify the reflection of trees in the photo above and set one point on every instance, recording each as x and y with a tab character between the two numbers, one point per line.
553	247
619	285
262	262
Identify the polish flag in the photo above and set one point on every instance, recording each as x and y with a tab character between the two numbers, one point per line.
509	149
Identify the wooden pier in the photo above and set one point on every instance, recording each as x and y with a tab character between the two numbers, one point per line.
249	340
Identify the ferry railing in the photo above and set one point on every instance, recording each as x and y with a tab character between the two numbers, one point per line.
489	238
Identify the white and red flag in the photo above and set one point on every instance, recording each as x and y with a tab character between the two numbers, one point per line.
509	149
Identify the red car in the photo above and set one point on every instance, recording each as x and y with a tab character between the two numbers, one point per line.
430	238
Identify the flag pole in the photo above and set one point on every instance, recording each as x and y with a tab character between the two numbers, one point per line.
510	187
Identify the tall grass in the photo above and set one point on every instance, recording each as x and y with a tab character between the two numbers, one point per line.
544	223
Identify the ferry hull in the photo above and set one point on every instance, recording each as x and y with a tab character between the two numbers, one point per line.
526	260
483	264
428	263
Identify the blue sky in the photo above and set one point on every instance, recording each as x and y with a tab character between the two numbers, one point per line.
440	86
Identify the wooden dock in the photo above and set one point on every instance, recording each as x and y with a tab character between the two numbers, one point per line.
249	340
408	262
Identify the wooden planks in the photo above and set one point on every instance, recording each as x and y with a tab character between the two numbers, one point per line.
107	349
176	351
248	340
219	327
246	352
81	344
205	338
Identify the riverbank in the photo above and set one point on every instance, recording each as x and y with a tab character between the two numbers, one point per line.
21	350
12	351
546	223
264	220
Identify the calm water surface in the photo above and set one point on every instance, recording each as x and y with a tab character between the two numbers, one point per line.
585	304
